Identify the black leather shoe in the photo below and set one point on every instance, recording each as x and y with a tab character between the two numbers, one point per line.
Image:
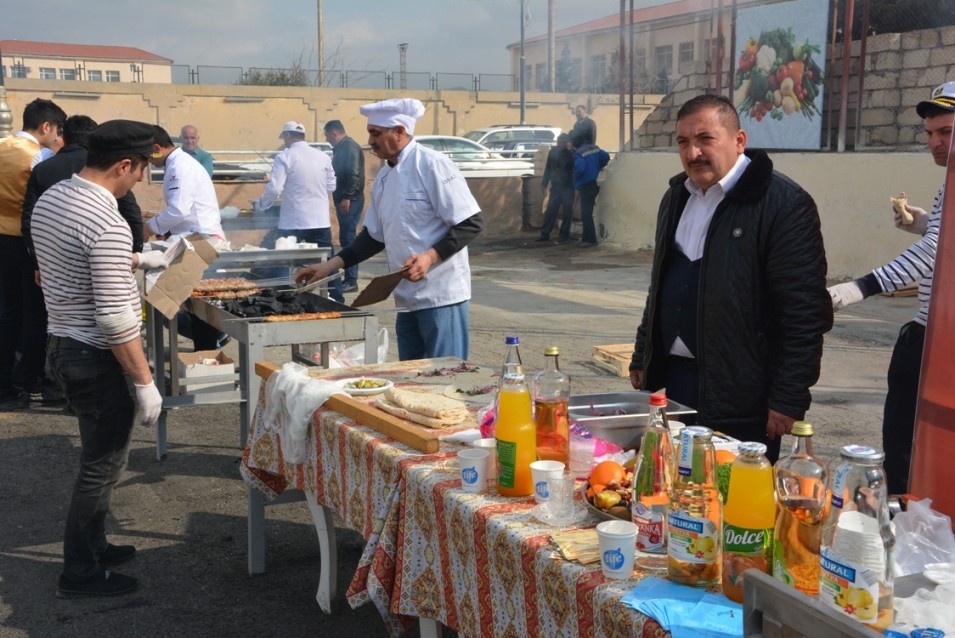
104	583
586	244
116	555
542	238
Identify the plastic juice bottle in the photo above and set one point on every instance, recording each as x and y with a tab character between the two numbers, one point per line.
855	576
803	501
749	516
652	480
694	522
514	427
551	397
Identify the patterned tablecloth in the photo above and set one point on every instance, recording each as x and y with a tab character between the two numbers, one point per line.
479	563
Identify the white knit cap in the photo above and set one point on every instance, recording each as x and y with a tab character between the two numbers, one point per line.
390	113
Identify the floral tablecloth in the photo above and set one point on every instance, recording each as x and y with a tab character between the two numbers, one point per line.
479	563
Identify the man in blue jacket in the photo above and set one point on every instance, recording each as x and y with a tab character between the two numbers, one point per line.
589	159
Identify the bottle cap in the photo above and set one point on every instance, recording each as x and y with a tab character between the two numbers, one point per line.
511	341
658	399
752	448
862	453
551	351
697	431
802	428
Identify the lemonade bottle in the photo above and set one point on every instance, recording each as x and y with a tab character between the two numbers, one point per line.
803	500
551	397
749	515
694	522
514	427
652	479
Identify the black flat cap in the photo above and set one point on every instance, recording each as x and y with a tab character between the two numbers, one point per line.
122	137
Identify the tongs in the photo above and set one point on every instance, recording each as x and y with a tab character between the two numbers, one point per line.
316	284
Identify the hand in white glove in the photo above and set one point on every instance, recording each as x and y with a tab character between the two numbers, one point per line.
920	223
845	294
150	259
150	403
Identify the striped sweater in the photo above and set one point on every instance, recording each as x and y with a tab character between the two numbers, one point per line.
84	250
916	263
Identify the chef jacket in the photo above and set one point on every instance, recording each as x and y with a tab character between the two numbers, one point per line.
303	176
413	204
191	204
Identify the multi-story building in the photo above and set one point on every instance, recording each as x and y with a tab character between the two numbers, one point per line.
82	62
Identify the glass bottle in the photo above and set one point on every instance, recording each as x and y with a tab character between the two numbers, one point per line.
855	575
694	522
551	397
749	515
803	501
652	480
514	427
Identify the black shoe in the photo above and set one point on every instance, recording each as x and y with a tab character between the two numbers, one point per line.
42	399
586	244
116	555
104	583
542	238
350	287
9	399
563	240
223	342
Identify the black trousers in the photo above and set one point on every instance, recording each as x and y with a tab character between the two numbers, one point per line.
898	417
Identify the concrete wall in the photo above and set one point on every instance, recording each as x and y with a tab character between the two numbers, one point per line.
851	191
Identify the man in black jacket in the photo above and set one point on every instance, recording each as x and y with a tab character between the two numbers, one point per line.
559	174
348	160
737	306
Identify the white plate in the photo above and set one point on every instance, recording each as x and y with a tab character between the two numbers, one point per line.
345	384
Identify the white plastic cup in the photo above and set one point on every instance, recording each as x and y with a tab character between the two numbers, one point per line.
560	505
581	456
491	446
474	462
540	472
618	541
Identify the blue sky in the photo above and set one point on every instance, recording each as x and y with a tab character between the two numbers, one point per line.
447	36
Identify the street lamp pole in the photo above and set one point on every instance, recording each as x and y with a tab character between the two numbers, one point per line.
403	66
523	90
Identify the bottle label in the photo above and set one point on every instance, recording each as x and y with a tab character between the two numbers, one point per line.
692	539
685	466
506	463
649	521
848	586
839	485
744	540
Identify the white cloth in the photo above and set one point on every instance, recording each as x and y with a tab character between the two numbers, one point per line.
413	204
303	176
191	204
390	113
845	295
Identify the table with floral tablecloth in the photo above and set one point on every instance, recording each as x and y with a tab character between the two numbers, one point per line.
478	563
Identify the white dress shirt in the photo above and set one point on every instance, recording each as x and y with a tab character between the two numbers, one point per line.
303	176
191	204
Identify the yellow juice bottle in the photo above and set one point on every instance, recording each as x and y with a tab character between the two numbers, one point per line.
514	427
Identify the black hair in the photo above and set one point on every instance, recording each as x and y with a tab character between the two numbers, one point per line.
102	161
334	125
39	111
725	109
161	137
76	129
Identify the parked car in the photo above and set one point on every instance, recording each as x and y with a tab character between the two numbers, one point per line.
497	136
472	157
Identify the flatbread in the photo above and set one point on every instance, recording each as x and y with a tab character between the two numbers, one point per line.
435	424
898	205
436	406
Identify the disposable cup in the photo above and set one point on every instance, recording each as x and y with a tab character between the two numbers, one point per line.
560	504
474	462
581	456
491	446
618	541
540	472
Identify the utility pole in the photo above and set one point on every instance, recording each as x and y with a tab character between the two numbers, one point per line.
403	66
321	43
551	45
522	79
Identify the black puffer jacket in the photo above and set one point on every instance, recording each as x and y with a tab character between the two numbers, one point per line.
763	306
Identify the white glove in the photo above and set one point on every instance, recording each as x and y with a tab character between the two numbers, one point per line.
150	259
150	403
845	294
920	223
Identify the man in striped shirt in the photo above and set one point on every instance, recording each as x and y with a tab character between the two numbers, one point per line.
84	253
916	263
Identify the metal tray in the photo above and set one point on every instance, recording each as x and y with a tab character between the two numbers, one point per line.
618	417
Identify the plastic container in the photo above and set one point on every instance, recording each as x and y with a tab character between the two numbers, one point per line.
749	516
514	427
551	397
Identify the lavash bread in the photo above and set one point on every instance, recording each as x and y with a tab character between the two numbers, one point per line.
436	424
431	410
898	205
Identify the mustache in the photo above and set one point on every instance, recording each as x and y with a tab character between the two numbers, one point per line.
698	162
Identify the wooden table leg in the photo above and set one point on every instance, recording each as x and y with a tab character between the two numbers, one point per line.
328	569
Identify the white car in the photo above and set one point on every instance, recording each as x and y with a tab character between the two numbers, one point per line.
500	135
473	159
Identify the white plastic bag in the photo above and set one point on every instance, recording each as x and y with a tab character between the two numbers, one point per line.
340	356
922	536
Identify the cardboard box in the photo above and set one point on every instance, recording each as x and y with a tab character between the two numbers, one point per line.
174	284
192	371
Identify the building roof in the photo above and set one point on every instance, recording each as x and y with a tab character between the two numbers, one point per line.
78	51
657	12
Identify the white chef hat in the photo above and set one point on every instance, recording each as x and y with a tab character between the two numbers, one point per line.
390	113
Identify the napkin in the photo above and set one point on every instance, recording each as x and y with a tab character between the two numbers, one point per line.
686	612
292	398
465	437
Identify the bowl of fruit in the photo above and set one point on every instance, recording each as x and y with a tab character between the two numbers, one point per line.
608	490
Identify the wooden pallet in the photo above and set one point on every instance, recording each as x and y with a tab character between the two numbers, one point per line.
615	358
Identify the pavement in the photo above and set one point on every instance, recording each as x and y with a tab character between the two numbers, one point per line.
186	514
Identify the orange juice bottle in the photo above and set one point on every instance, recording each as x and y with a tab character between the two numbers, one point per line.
514	427
749	516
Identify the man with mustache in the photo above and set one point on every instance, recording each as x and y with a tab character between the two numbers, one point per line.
737	306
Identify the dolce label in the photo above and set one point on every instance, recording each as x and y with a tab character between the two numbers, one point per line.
743	540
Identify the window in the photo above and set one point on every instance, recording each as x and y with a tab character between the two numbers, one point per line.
663	66
598	71
540	75
47	73
68	74
686	54
19	71
94	76
112	76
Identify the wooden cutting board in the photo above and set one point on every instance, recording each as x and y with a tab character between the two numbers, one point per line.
420	438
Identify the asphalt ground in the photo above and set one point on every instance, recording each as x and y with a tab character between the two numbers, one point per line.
186	514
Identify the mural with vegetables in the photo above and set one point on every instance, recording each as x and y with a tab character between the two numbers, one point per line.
779	74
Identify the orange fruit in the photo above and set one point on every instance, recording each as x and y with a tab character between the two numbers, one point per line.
607	472
725	456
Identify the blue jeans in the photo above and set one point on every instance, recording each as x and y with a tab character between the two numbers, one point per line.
433	332
347	224
322	237
97	389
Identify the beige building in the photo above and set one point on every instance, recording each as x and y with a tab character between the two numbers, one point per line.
82	63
